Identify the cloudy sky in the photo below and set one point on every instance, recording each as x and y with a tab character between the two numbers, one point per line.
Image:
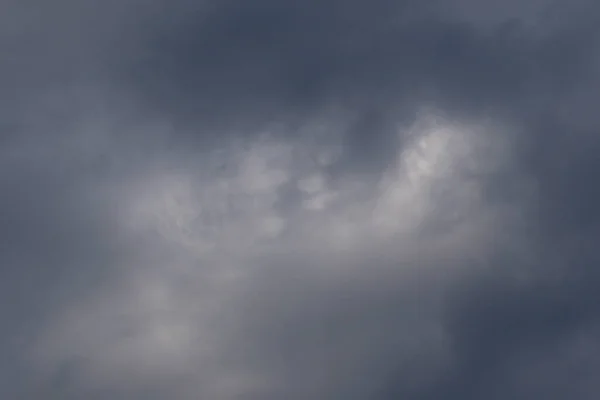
318	199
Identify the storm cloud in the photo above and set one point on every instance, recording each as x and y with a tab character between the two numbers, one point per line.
266	199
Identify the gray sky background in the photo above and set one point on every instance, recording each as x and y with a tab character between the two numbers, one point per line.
275	199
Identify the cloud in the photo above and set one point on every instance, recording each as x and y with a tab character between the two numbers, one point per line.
328	200
226	258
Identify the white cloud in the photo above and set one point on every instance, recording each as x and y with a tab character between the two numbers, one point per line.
206	232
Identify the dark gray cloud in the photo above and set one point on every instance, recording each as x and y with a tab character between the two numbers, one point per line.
323	199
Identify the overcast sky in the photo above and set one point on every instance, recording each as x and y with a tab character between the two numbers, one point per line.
318	199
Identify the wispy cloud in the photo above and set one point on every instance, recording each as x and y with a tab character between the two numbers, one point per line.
264	200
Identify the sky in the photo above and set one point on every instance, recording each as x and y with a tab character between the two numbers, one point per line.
275	199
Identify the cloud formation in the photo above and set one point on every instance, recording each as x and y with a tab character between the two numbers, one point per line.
271	199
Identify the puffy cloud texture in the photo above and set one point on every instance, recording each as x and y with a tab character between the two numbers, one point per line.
323	199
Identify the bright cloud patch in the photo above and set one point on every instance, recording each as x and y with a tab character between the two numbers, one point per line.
209	226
